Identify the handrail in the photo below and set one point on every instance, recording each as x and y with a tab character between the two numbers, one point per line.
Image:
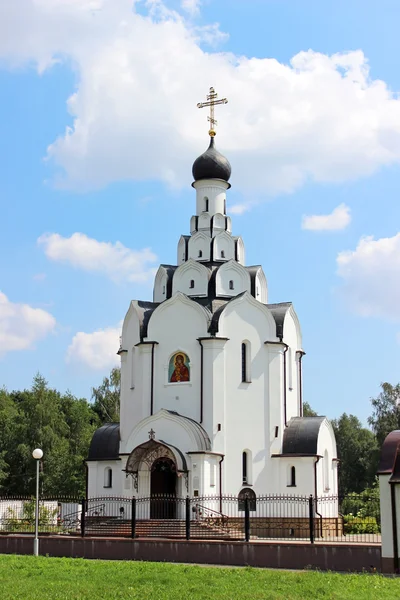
73	518
224	518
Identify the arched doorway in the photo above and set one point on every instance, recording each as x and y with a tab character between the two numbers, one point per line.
163	489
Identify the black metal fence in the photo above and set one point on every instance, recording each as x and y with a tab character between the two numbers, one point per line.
353	518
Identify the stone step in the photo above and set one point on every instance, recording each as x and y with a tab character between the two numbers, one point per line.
160	528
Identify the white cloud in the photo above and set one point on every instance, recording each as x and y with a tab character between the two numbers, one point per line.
319	117
114	260
239	209
371	277
97	350
191	6
338	219
22	325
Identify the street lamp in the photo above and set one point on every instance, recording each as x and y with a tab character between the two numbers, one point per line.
37	455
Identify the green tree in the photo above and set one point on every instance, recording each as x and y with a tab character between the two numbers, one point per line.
8	413
61	425
308	411
106	397
386	411
357	450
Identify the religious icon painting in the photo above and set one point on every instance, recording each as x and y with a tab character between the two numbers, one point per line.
179	368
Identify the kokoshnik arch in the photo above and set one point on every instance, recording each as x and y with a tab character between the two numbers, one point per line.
211	374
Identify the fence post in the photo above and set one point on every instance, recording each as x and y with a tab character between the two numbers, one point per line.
133	519
311	517
187	518
246	519
83	517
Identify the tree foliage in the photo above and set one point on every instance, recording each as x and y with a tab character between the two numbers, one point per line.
106	397
386	411
61	425
308	411
357	451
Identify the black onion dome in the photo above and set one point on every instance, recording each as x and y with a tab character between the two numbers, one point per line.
211	165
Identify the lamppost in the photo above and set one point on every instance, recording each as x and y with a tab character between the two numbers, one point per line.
37	455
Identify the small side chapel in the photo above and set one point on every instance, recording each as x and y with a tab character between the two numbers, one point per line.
211	374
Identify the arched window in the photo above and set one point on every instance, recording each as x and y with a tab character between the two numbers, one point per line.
326	471
224	206
293	476
231	287
244	467
245	362
222	253
206	204
200	253
250	495
163	289
107	477
191	283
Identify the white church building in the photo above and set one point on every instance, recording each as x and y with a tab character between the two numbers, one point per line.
211	376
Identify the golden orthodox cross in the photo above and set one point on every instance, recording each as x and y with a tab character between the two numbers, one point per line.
211	102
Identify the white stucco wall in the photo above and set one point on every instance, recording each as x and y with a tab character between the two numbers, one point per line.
215	191
231	271
191	271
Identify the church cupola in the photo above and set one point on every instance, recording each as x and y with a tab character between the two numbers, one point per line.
211	164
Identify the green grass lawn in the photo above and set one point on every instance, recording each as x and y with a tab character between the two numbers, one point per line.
30	578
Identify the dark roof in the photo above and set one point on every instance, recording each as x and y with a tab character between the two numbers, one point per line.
211	165
389	453
105	443
170	270
279	313
301	435
144	311
252	271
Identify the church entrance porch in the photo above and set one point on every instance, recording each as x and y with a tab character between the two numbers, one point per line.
163	489
160	479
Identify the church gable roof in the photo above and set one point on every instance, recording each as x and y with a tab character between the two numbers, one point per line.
170	270
200	432
105	443
144	311
279	311
301	436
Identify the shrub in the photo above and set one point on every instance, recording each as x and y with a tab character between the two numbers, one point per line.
360	524
26	522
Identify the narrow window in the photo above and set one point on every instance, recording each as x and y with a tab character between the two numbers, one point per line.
224	206
222	253
326	471
212	475
206	204
244	467
293	476
163	289
231	285
191	283
200	253
133	370
107	477
244	362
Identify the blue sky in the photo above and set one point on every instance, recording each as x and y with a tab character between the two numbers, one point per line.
99	131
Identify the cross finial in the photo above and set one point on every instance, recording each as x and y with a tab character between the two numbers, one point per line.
152	434
211	102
